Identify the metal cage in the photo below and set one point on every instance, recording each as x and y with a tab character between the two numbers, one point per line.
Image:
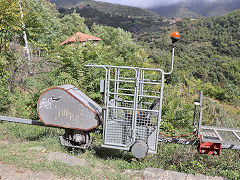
132	106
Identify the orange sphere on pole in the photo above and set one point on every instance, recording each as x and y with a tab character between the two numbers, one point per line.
175	36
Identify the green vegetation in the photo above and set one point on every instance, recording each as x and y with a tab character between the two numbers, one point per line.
196	8
207	60
94	14
108	8
193	8
209	52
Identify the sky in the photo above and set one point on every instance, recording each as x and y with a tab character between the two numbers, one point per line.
146	3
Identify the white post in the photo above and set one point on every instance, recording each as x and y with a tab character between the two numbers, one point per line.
26	48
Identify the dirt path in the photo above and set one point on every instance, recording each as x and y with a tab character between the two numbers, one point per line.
8	172
11	172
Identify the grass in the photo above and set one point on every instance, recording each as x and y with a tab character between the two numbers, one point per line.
17	153
107	163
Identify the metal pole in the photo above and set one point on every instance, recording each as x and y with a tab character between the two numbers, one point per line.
171	64
160	109
25	121
135	104
200	115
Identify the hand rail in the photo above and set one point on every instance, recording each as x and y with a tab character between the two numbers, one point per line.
127	67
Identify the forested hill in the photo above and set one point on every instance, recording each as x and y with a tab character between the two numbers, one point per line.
107	8
221	32
133	24
209	51
131	19
193	8
212	48
197	8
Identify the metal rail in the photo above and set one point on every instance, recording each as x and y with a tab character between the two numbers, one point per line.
36	123
22	121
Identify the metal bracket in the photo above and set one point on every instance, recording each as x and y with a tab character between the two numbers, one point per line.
209	148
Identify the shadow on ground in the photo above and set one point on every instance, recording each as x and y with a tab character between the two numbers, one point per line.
105	153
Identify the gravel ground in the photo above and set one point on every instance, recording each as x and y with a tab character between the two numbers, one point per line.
10	172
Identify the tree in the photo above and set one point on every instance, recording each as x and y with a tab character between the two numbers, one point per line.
10	23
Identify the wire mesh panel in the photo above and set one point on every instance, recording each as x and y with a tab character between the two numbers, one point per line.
119	118
119	127
146	128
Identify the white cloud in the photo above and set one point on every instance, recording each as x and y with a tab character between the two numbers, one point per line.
142	3
147	3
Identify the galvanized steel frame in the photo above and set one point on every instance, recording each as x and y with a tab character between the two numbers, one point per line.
138	90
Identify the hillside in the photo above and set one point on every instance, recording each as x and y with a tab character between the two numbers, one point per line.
209	51
197	8
107	8
134	24
193	8
131	19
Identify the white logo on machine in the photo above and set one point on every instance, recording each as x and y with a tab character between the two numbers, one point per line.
46	103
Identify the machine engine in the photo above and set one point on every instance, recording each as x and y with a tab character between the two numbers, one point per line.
67	107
